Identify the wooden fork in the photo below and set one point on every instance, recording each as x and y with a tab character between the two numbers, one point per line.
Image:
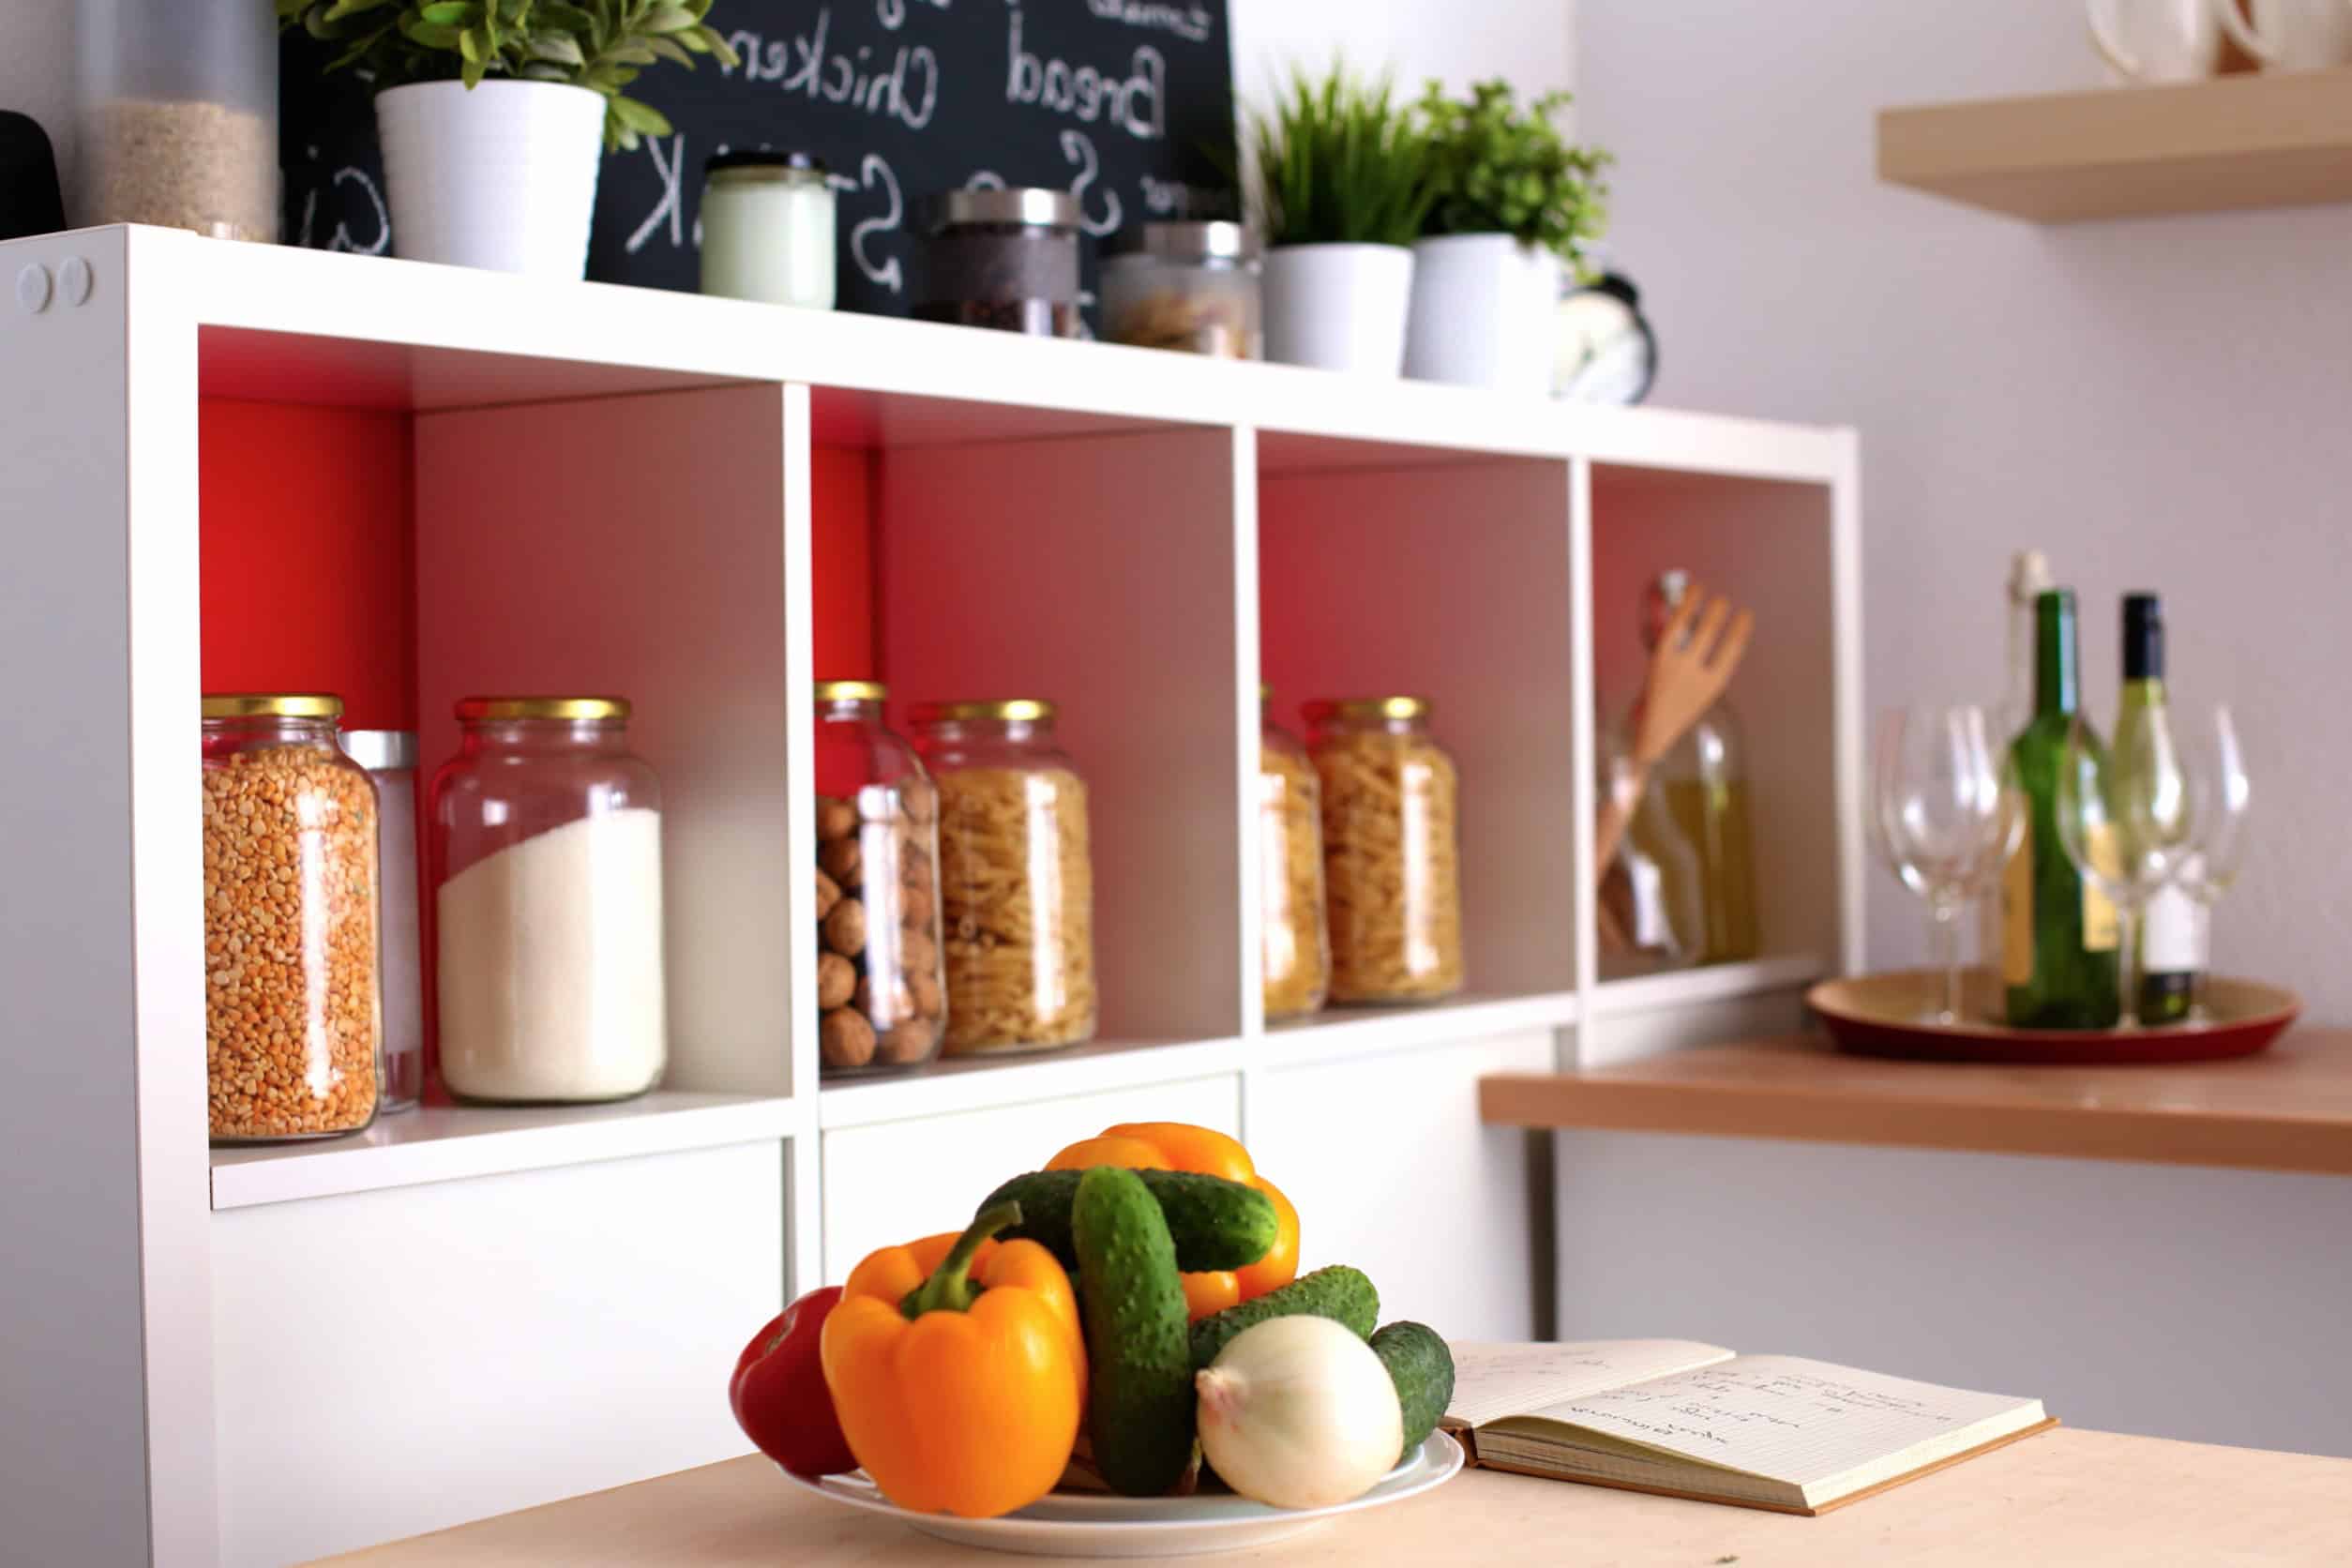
1697	652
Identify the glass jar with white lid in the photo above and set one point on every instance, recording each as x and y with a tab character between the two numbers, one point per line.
767	223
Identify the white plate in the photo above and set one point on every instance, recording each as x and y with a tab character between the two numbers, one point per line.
1093	1524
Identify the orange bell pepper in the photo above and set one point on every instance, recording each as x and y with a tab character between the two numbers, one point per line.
1178	1146
958	1367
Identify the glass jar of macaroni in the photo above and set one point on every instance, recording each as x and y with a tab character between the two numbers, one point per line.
1391	850
1295	945
1017	888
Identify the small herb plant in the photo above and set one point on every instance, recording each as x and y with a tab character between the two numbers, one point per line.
1341	162
598	44
1500	168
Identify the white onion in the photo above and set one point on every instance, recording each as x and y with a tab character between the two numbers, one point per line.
1298	1413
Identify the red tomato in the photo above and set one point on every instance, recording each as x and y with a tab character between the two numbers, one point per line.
778	1390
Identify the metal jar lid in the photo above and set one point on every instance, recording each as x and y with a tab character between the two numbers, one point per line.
1020	206
1190	242
381	750
763	167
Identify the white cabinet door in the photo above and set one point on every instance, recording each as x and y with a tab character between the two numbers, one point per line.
394	1362
1392	1171
894	1181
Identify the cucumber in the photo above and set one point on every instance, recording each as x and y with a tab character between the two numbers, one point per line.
1215	1224
1421	1368
1338	1292
1139	1400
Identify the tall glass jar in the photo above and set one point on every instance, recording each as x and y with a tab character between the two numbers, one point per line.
178	122
1698	799
1296	945
882	996
1391	850
293	1007
390	758
545	846
1017	882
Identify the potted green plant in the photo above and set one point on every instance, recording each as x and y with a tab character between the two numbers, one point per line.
1514	203
1342	188
493	115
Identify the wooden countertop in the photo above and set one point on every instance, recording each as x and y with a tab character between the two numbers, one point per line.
2081	1498
2289	1108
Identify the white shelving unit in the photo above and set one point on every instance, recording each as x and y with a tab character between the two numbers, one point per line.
255	1355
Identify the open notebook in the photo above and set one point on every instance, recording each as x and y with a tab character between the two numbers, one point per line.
1691	1420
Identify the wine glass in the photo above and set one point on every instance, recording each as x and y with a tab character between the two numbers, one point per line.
2124	821
1943	821
2219	792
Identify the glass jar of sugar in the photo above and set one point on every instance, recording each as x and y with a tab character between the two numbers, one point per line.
544	845
767	229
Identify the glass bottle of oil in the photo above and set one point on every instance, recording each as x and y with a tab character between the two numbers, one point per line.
1702	785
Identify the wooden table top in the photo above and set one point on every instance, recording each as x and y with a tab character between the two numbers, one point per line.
2078	1497
2289	1108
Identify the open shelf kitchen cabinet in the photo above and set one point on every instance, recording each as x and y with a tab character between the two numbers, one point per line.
490	483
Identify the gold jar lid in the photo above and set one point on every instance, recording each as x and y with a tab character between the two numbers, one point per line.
272	704
1020	708
852	691
474	708
1369	707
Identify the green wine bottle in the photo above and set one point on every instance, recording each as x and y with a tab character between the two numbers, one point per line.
2144	750
2059	932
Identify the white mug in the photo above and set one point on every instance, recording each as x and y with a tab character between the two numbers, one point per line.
2157	41
2292	35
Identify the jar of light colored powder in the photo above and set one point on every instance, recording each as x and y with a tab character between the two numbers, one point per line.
545	845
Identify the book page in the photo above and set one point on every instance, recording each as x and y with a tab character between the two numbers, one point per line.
1493	1381
1792	1420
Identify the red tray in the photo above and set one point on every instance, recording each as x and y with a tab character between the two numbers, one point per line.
1881	1015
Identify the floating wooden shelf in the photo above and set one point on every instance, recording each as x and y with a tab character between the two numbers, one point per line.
2287	1110
2236	141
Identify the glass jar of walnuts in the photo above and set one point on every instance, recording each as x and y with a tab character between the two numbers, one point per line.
882	999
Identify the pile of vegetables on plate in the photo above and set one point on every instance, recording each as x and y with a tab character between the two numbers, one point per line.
1115	1319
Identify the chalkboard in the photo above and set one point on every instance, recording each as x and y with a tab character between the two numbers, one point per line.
1128	104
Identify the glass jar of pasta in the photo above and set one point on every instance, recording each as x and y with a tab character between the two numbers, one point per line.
1295	946
1017	887
880	998
1391	855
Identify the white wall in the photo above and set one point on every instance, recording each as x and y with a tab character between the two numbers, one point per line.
1529	42
2156	403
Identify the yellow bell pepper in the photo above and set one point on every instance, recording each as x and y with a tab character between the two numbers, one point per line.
1179	1146
958	1367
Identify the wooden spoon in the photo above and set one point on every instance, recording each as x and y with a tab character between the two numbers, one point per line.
1697	652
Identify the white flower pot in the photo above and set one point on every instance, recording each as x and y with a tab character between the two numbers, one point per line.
1339	307
500	175
1481	313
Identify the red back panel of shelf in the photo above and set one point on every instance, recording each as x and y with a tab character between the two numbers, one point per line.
308	574
308	556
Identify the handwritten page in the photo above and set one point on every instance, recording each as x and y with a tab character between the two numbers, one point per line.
1789	1419
1493	1381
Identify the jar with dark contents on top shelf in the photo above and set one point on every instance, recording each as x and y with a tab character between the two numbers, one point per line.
1006	258
881	996
1295	946
1017	882
293	1006
1187	286
1391	850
